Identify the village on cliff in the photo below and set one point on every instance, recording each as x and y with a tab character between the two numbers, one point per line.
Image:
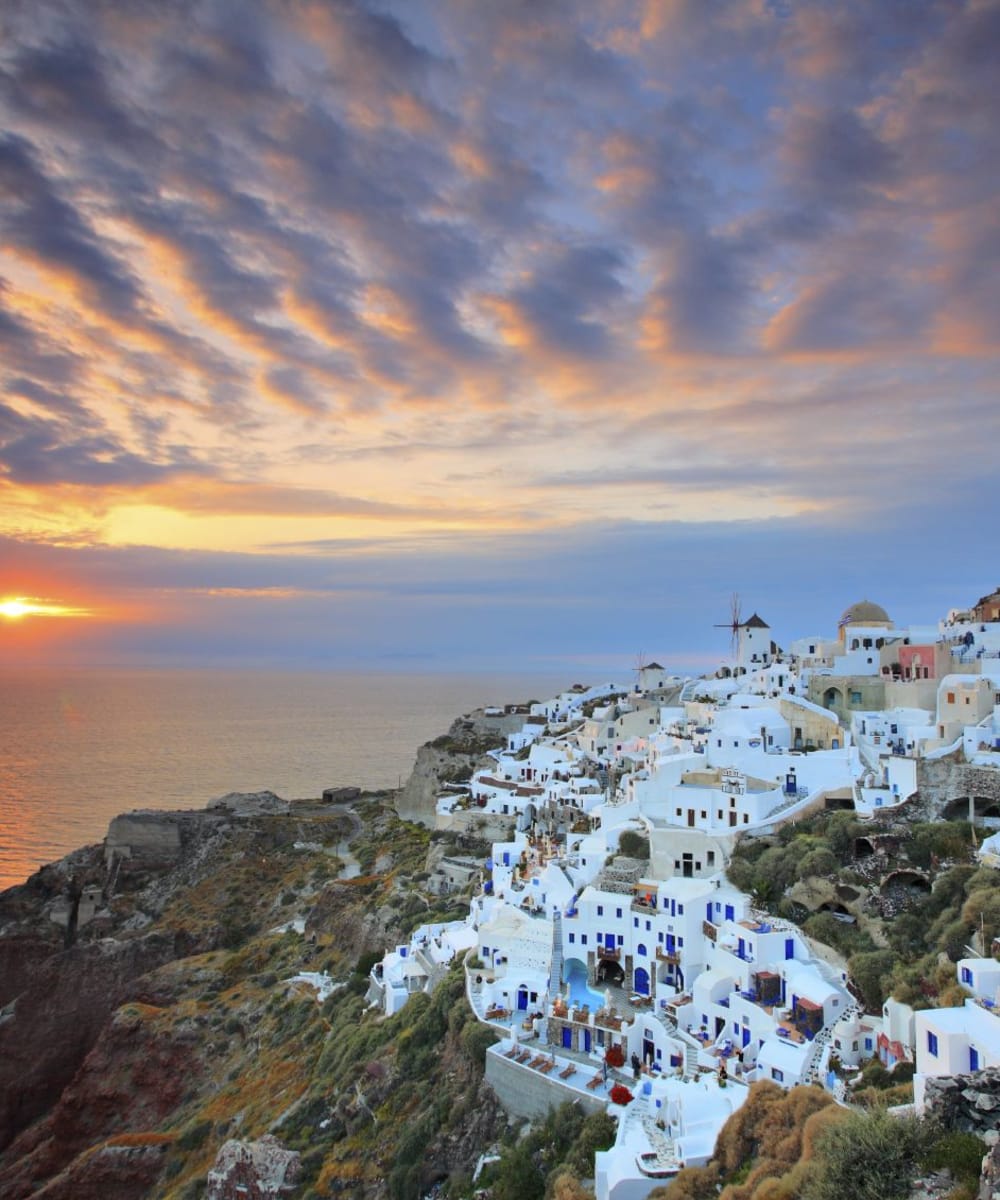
645	983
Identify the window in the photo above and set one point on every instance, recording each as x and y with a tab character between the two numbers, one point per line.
572	938
680	910
600	910
950	697
966	974
711	854
855	697
777	1076
635	922
583	939
618	912
932	1043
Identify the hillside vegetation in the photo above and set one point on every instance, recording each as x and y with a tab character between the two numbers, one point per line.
909	899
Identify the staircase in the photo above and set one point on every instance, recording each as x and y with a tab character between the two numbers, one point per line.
556	967
692	1046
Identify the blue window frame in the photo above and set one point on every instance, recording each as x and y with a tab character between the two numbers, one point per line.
600	910
583	939
572	938
932	1043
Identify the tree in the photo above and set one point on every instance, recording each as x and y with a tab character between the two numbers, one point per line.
871	974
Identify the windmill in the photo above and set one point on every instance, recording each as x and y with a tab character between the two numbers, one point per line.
640	666
734	623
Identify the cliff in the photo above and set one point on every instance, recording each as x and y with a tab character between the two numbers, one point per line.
452	758
149	1013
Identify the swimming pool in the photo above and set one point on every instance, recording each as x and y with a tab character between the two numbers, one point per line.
579	993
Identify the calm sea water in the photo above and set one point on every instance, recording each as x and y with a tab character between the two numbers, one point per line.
79	747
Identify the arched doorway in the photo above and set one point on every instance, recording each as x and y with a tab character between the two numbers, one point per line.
640	981
609	971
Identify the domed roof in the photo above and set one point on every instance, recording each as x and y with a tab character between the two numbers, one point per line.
864	613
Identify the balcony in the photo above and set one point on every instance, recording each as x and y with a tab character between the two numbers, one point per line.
611	955
668	956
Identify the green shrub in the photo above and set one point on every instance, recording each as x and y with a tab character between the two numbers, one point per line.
877	1153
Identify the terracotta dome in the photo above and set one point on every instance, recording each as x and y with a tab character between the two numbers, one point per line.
864	613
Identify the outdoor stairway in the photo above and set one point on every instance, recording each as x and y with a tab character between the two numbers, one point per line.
556	967
813	1072
692	1047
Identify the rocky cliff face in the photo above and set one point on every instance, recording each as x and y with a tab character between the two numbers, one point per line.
452	758
149	1011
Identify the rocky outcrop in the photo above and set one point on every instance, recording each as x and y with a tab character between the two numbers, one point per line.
259	1170
452	758
122	1170
249	804
989	1181
336	909
57	1017
132	1079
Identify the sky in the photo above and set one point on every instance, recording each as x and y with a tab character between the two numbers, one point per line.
438	334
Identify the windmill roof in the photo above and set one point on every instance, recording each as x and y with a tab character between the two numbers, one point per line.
756	622
653	666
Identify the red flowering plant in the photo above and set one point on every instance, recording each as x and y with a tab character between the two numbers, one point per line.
621	1095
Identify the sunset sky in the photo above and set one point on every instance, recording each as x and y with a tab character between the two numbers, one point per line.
439	333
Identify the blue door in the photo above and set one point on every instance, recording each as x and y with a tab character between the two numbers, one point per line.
789	947
746	1036
567	1040
586	1041
730	913
522	999
641	981
741	948
609	941
973	1059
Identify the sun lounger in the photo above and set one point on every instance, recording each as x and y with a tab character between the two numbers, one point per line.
546	1067
566	1072
598	1079
512	1052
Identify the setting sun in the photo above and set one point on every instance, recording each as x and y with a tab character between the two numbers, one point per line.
16	607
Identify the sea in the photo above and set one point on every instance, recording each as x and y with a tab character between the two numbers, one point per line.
79	746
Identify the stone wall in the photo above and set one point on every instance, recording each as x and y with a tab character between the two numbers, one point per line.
970	1103
942	780
525	1093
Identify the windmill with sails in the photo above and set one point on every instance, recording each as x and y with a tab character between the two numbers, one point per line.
751	644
